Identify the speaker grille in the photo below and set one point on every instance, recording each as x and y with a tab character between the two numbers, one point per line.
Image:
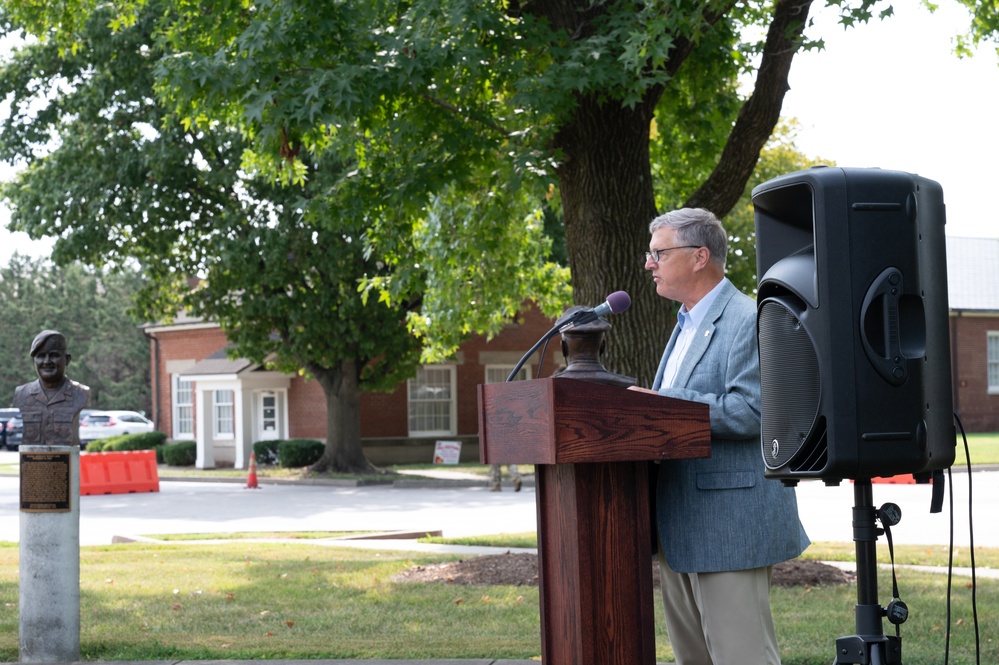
789	382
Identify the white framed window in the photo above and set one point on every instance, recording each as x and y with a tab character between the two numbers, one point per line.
499	373
224	410
992	354
183	408
432	406
268	412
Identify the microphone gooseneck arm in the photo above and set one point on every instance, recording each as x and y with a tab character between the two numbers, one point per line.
547	336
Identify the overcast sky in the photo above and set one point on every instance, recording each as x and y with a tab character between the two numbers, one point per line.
887	94
891	94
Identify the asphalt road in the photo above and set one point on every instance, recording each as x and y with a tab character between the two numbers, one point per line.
225	507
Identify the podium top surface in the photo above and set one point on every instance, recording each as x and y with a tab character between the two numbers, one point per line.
564	421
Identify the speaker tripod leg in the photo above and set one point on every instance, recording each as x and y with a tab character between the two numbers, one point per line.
869	646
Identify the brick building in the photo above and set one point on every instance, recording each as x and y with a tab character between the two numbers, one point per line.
245	402
973	292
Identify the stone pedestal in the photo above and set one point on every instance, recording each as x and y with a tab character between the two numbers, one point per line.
49	569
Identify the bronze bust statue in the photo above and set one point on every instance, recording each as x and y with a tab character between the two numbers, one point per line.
51	405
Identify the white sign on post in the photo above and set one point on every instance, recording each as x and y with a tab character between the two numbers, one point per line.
447	452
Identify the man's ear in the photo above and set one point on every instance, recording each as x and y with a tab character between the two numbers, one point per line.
709	262
69	358
702	258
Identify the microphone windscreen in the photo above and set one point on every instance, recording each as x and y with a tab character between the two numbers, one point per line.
619	301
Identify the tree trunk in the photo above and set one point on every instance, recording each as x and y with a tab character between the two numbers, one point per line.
343	453
607	198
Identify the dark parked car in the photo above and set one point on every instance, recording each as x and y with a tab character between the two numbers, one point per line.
12	432
5	415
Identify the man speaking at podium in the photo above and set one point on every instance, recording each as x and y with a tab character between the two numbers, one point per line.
721	524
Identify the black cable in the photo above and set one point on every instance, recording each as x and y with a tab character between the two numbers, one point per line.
541	361
544	340
577	319
894	579
950	566
971	541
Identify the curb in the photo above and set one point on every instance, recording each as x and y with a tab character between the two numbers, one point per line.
403	483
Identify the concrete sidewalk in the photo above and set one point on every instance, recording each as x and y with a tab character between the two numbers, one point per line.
350	661
408	542
326	661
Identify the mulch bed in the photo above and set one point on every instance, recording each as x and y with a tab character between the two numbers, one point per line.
521	569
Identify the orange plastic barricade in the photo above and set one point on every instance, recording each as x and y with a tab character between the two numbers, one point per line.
904	479
119	472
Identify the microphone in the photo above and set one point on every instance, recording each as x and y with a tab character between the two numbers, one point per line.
616	303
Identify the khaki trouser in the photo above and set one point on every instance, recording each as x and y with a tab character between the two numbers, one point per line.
496	472
719	618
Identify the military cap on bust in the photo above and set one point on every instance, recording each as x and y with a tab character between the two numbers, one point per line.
44	335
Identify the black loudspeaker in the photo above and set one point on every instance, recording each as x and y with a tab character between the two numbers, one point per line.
852	325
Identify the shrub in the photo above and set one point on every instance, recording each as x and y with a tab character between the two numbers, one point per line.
296	453
266	452
96	446
142	441
103	444
183	453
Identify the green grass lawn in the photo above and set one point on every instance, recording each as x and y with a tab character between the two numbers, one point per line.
984	449
298	600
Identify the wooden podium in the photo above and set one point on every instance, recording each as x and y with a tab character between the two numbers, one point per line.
591	444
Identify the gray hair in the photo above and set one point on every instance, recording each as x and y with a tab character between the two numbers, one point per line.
696	226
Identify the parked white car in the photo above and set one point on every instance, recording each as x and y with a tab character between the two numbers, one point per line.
104	424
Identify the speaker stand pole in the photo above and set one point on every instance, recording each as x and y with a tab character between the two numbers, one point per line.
870	646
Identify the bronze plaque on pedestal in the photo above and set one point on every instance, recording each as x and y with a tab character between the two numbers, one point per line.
45	482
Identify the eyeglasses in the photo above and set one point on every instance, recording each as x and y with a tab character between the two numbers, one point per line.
656	254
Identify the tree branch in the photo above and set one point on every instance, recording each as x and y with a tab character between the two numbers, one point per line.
759	115
457	111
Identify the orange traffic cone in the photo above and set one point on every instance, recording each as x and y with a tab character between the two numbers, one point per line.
251	479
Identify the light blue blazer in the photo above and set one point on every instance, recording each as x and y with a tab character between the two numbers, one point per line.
720	513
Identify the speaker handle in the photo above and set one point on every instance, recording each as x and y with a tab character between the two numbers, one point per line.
880	327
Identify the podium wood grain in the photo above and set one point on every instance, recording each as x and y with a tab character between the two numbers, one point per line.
591	444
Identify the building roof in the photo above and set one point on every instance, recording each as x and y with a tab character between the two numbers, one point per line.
973	274
218	363
182	321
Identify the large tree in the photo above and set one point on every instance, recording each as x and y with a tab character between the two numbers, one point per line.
117	179
442	103
459	113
